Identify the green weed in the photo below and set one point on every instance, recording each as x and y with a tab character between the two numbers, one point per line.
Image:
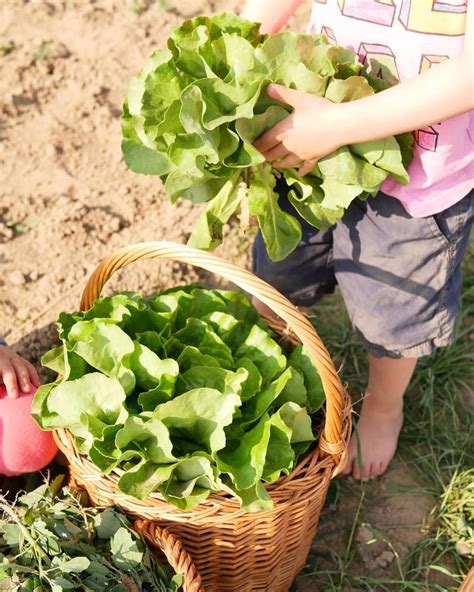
25	226
44	52
6	48
141	6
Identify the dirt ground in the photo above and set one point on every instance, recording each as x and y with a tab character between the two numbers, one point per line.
67	200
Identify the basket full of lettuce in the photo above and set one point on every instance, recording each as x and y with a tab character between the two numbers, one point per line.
193	112
186	408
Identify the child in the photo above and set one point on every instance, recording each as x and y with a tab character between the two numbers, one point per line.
397	256
23	446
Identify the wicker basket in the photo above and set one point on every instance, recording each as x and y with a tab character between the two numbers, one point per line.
235	551
468	584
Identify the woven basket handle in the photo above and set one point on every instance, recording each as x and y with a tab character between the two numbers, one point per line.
162	540
330	441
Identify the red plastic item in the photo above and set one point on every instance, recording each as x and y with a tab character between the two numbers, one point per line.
24	448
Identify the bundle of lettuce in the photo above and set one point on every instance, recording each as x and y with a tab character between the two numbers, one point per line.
193	112
187	393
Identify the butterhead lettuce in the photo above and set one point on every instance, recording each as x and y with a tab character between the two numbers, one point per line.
186	392
193	112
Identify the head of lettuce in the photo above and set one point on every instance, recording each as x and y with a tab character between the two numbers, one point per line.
187	392
193	112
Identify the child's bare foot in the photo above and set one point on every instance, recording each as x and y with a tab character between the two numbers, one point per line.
378	430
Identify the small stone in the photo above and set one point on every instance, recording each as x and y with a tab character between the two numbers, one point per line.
61	51
364	535
6	233
191	8
114	224
16	278
463	548
124	190
33	276
23	314
385	558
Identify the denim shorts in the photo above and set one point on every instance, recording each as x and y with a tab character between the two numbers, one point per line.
400	276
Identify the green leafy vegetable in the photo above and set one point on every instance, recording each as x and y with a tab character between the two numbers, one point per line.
187	392
193	112
49	542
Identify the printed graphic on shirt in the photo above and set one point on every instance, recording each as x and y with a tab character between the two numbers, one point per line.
427	60
381	12
427	138
434	17
379	61
329	34
444	18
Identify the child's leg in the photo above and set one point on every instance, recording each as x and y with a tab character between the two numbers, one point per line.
381	416
401	281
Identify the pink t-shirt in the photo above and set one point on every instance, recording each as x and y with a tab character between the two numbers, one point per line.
397	40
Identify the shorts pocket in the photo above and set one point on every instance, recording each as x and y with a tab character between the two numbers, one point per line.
449	224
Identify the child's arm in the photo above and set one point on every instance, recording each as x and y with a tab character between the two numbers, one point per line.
273	14
317	127
16	373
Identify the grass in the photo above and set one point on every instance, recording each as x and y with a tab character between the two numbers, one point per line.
141	6
23	227
44	52
436	446
6	48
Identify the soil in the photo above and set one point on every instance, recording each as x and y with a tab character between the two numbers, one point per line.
67	200
391	522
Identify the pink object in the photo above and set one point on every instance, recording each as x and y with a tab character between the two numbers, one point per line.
24	448
397	40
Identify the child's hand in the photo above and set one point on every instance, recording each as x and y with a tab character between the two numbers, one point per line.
16	373
303	137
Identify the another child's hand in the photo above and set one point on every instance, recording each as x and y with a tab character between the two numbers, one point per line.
16	373
303	137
